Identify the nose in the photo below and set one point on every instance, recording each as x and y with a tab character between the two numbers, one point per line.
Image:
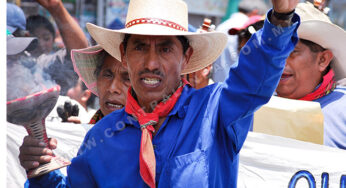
115	86
288	61
152	61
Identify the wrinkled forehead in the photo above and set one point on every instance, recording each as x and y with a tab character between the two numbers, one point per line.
113	64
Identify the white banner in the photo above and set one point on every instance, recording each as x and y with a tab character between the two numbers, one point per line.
265	161
273	161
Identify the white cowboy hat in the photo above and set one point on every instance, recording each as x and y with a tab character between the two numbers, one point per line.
316	27
165	18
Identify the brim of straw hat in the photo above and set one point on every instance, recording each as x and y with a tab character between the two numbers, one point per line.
329	36
207	46
85	62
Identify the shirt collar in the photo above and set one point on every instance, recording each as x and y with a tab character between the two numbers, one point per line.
181	105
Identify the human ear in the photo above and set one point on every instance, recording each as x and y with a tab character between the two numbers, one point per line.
187	57
86	95
325	59
123	58
206	71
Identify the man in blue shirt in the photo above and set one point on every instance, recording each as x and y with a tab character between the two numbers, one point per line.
313	67
169	134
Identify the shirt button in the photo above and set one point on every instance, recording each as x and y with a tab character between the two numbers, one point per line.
154	146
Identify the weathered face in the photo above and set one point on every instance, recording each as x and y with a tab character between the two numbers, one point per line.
154	64
45	39
112	85
302	73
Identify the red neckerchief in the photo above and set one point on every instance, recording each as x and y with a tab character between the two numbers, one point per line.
147	163
327	86
96	117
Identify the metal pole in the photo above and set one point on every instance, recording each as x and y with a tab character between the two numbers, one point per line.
100	13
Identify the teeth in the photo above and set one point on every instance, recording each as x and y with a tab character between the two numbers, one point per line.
114	105
151	81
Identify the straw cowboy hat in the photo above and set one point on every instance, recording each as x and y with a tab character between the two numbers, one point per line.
85	62
316	27
162	18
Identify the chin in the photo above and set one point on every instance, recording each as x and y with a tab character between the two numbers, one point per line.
282	94
154	96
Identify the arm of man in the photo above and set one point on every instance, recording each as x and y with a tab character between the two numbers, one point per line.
72	34
261	63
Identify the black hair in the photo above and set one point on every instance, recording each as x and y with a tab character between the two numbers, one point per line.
312	46
246	33
35	21
183	40
20	33
125	41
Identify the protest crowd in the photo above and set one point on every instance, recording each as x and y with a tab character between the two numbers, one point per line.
257	100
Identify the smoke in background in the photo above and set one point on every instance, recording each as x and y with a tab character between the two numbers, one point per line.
26	77
61	71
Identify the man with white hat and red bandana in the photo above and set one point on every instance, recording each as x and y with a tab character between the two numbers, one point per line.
170	134
311	71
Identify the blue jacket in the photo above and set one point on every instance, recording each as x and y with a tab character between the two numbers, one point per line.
334	111
199	142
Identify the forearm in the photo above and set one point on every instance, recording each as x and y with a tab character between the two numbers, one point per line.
261	61
253	82
71	33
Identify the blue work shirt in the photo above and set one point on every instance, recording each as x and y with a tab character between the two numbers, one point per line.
199	142
334	112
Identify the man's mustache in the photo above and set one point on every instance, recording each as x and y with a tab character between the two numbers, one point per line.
155	72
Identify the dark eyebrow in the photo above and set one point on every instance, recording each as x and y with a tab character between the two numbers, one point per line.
123	72
139	42
107	70
297	47
165	43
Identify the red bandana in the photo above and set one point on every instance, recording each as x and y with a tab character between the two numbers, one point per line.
147	163
327	86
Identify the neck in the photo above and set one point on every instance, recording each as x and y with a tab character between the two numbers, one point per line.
203	83
148	106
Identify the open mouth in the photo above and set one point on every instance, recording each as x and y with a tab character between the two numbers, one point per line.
285	76
151	81
111	105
